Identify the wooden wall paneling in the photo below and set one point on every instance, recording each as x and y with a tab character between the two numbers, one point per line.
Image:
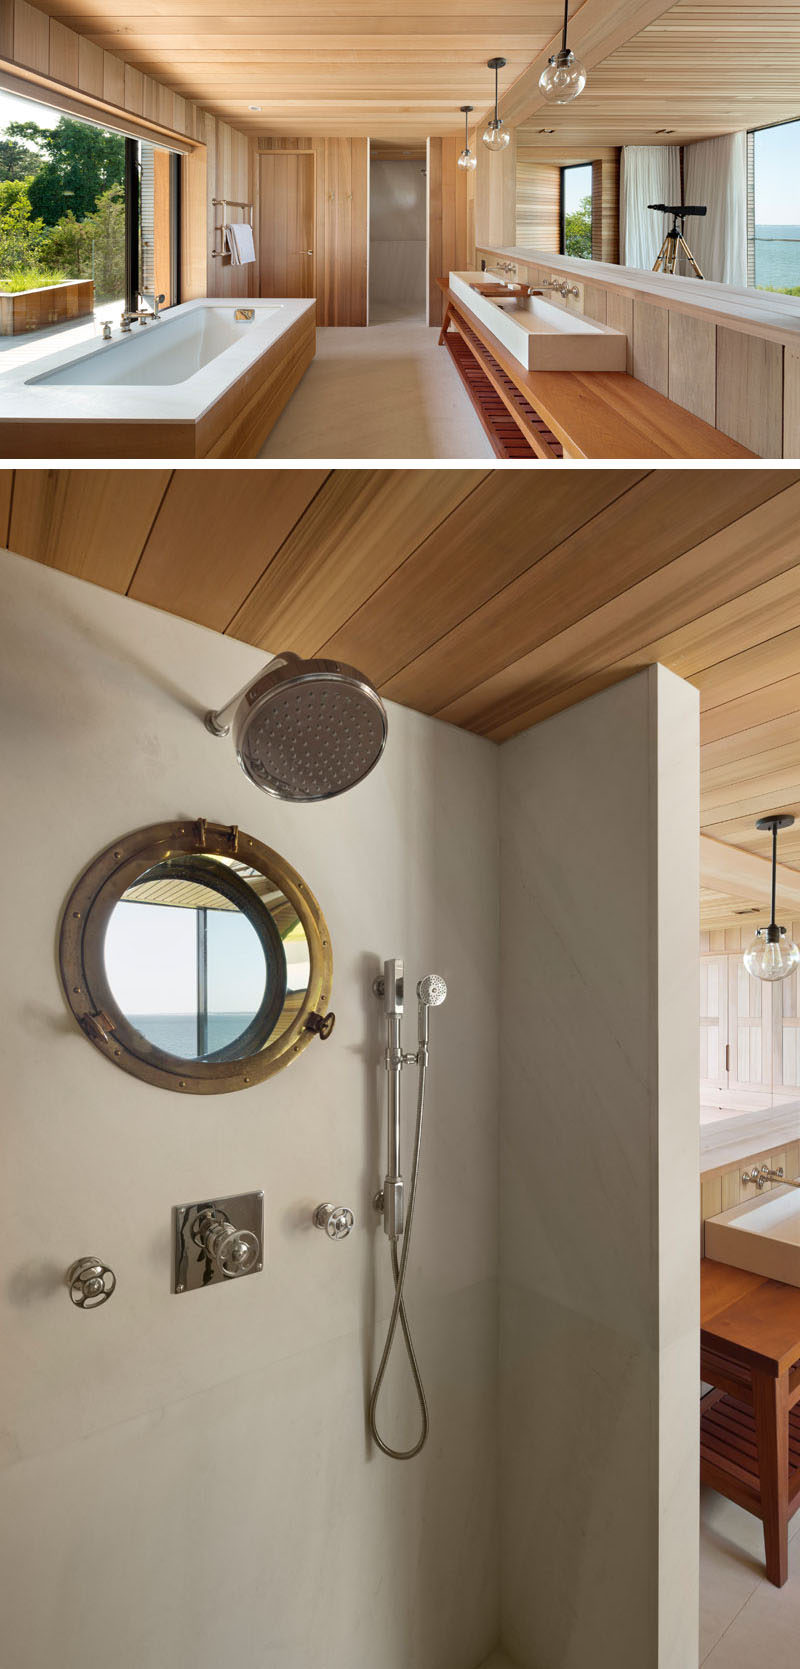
114	82
791	402
7	29
651	345
538	205
63	61
6	490
693	364
195	260
31	37
435	186
595	303
750	391
620	317
134	90
359	232
605	208
91	523
179	569
90	70
340	245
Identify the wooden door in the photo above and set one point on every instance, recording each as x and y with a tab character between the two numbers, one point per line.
286	222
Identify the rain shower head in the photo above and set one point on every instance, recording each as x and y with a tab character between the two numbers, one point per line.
305	730
432	990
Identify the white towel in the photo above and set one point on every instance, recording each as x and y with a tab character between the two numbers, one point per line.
239	241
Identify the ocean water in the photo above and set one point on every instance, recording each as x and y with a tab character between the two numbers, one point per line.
176	1034
778	257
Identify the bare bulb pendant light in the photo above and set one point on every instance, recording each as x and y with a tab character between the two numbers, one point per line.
495	135
466	159
772	955
564	76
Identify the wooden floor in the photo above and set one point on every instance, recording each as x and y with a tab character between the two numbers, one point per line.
385	391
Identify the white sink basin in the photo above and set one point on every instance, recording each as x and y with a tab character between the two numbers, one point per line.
762	1235
539	333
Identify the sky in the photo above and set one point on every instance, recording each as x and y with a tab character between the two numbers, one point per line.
13	109
151	961
577	185
777	176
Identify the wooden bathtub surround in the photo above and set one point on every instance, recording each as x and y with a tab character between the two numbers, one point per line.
590	414
236	426
750	1420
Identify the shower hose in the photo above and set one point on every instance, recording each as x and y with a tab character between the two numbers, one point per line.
398	1307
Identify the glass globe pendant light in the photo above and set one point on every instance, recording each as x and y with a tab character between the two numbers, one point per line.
564	76
772	955
466	159
495	135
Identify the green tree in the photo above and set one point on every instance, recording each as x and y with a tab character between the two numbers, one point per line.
578	230
17	162
79	164
20	234
92	247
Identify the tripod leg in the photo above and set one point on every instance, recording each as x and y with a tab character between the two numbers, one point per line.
690	258
660	260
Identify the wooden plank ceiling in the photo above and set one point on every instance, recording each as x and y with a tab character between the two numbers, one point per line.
392	69
489	599
701	68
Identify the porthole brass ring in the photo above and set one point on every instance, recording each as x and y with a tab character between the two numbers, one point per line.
82	964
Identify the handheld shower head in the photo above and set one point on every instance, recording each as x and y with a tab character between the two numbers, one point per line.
432	990
305	729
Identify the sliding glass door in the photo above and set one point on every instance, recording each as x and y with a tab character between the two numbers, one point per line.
773	219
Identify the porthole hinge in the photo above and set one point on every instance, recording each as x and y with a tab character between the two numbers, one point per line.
321	1024
231	833
97	1026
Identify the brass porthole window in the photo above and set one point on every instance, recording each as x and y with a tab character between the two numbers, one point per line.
196	958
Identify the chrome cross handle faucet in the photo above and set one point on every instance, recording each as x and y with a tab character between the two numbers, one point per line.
764	1175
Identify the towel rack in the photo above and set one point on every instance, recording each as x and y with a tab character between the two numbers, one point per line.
228	203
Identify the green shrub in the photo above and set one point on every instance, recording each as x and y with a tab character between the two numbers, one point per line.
35	278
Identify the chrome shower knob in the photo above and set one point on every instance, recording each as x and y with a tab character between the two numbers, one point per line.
232	1251
336	1220
90	1283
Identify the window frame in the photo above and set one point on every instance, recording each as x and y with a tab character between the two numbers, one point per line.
565	168
763	127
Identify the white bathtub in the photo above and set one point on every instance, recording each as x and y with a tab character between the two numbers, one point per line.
180	387
169	351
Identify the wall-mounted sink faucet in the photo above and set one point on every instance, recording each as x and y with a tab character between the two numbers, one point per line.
766	1174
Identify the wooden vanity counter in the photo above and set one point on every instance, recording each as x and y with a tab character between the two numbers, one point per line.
589	414
750	1421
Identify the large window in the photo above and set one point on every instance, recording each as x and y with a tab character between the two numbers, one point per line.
774	208
80	201
576	211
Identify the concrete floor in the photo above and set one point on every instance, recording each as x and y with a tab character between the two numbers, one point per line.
383	391
744	1620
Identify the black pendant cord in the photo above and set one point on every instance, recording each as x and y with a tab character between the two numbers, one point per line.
564	37
466	130
774	869
496	94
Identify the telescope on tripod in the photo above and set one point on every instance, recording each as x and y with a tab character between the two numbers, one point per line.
675	243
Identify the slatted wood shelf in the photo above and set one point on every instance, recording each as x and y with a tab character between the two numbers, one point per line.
729	1450
498	404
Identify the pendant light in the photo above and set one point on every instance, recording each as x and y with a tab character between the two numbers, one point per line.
565	76
772	955
466	159
495	135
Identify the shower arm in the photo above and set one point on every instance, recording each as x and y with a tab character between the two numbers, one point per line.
219	722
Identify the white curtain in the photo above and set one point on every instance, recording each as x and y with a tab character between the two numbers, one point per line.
715	172
648	174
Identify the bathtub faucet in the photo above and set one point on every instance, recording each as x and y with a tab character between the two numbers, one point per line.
143	314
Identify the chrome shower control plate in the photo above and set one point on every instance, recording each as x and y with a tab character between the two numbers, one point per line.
217	1240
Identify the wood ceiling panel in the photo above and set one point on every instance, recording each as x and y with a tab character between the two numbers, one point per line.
360	529
92	523
770	704
215	535
698	68
617	639
510	521
379	68
569	584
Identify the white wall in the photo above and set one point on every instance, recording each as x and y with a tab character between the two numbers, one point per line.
598	1182
188	1479
397	234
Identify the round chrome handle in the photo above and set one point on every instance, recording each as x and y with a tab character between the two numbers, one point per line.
233	1251
90	1283
336	1220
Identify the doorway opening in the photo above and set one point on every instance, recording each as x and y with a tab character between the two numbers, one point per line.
398	234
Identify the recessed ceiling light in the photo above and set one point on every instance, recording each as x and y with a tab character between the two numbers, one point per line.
255	107
547	130
665	130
